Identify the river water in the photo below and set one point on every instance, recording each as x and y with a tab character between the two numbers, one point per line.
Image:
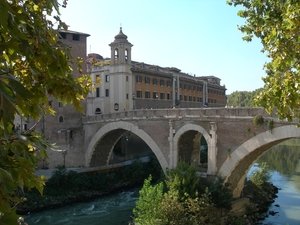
110	210
284	163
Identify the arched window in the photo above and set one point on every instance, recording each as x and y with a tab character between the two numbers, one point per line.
126	55
116	55
98	111
61	119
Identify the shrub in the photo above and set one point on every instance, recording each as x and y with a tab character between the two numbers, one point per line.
258	120
261	175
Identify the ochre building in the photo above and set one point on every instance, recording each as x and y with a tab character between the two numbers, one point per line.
130	85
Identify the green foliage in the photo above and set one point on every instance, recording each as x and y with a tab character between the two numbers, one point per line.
185	179
34	64
258	120
261	175
66	186
221	194
270	124
182	201
147	209
242	98
276	24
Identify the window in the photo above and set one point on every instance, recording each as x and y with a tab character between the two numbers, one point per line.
184	86
180	97
60	104
147	80
98	111
126	96
190	87
76	37
168	83
185	98
147	94
127	78
97	92
194	99
138	94
116	55
180	85
162	95
106	78
106	92
62	36
61	119
155	95
126	55
154	81
194	88
168	96
138	79
190	98
162	83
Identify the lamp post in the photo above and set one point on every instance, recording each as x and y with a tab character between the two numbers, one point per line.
156	99
133	101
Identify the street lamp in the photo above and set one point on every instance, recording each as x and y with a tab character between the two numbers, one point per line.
156	99
133	101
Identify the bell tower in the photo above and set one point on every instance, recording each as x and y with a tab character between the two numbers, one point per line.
121	77
120	50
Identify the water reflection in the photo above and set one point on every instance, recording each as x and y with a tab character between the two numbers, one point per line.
284	164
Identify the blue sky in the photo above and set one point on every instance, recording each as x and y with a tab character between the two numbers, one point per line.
197	36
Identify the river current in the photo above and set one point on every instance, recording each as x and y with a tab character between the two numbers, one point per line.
284	161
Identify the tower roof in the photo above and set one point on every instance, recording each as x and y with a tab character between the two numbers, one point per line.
120	35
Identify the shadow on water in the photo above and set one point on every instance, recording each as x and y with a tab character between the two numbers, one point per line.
110	210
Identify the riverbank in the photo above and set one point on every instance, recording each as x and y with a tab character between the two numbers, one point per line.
253	206
68	186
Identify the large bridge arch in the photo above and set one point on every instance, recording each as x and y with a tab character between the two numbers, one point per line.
237	165
210	143
123	126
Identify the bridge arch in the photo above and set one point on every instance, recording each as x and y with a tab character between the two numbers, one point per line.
237	165
123	127
186	129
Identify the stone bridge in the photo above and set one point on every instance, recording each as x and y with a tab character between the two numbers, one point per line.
234	141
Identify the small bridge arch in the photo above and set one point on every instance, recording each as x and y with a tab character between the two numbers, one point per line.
108	136
194	132
237	165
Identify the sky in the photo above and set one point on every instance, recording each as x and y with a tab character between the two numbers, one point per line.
196	36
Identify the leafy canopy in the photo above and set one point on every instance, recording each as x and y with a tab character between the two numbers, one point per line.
242	98
277	24
34	64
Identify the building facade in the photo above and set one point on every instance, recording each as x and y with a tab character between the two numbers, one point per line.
126	85
130	85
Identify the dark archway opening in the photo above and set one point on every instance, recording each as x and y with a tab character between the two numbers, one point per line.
193	149
130	147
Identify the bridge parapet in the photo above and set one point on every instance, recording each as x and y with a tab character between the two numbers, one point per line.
180	113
